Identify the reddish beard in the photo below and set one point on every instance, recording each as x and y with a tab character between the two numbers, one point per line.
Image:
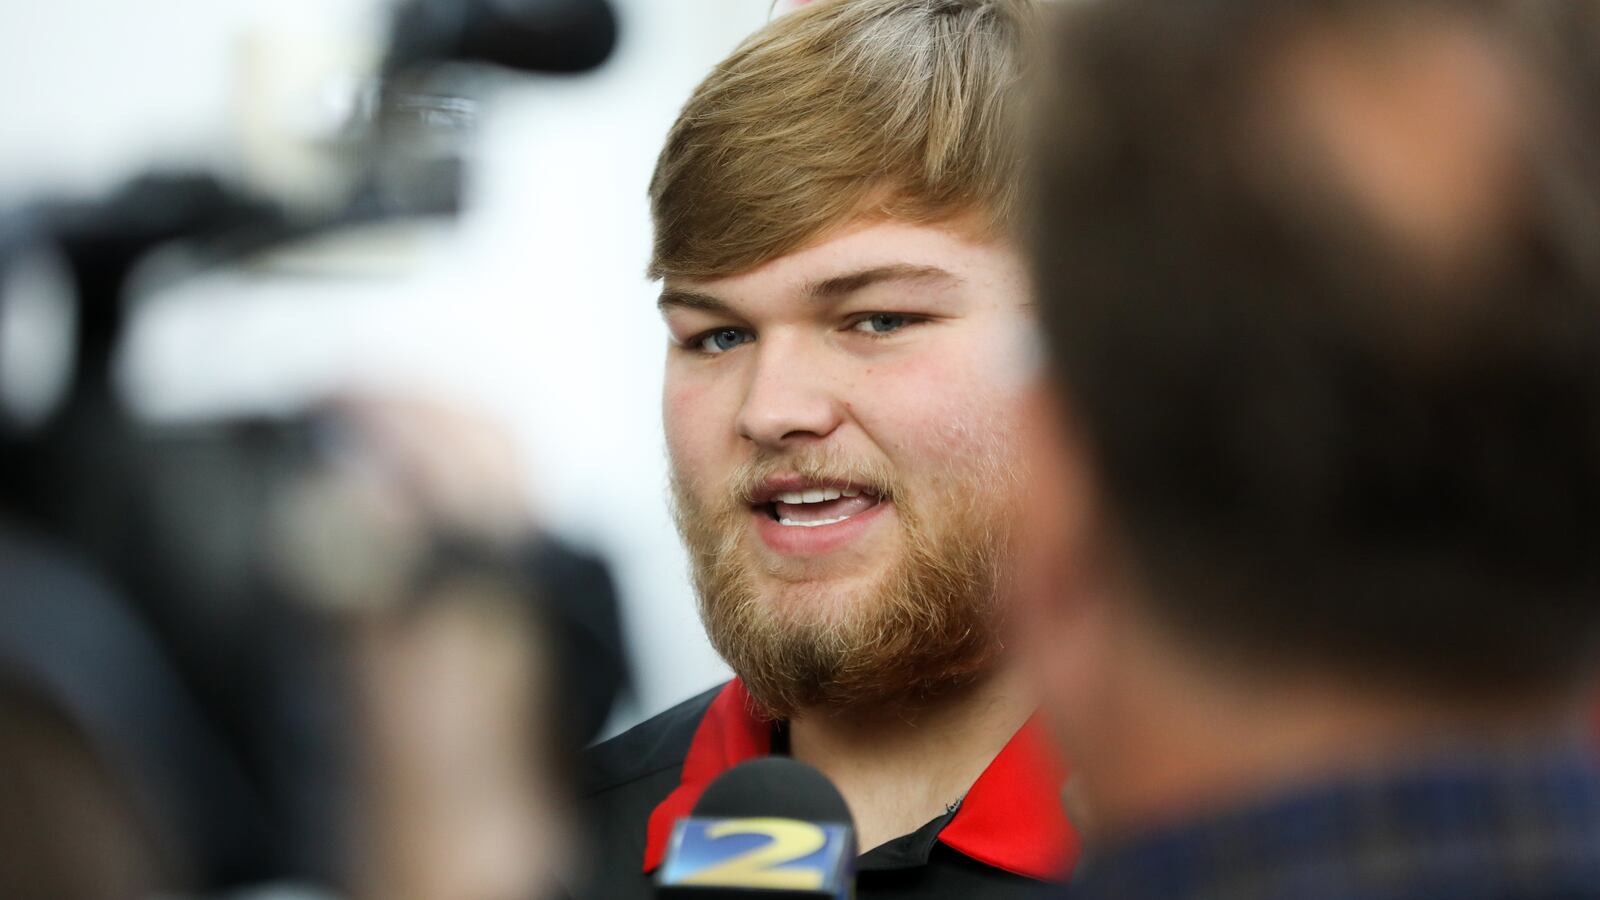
926	626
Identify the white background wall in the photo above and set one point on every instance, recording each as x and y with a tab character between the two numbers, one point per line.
534	309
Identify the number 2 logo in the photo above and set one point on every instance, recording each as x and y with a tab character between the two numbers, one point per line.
788	840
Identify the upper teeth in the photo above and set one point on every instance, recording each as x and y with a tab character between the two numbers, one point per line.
819	495
815	524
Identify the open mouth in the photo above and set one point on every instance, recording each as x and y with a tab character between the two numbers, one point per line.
818	506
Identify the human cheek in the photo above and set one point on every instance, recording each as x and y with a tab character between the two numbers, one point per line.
699	420
928	411
684	420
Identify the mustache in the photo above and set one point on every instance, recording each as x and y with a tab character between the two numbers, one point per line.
832	466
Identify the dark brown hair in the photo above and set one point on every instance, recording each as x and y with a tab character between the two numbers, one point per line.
1337	418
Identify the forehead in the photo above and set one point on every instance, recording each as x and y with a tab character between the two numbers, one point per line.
953	252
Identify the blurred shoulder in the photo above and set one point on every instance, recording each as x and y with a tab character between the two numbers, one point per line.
652	749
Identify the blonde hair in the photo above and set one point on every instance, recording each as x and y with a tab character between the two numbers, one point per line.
897	109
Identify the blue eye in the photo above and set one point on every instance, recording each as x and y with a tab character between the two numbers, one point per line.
723	340
882	323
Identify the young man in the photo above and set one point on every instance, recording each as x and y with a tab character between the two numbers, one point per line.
850	324
1323	292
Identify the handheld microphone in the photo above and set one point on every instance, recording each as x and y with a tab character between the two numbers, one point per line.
773	829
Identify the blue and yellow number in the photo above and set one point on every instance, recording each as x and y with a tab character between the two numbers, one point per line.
788	841
762	853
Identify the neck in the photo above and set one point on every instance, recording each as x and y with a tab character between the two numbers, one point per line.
1185	740
899	769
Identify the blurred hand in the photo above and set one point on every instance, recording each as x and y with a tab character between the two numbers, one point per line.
403	472
457	468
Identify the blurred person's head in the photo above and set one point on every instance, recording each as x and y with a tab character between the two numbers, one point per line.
1320	281
848	307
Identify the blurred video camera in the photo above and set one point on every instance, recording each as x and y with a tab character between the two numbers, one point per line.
235	623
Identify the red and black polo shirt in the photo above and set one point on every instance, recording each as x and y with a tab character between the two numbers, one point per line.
1008	837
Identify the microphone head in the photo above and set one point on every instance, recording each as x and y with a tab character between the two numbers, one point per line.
773	829
774	787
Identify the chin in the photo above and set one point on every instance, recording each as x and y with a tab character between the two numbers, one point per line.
819	601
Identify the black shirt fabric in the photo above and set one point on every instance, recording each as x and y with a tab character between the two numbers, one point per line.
627	777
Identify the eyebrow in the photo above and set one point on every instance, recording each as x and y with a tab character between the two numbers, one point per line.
831	288
844	285
676	298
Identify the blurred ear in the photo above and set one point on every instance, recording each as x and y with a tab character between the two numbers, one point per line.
1066	576
1060	533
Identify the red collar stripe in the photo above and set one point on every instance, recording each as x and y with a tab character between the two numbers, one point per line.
1011	818
728	735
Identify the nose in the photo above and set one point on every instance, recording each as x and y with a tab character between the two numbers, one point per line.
790	398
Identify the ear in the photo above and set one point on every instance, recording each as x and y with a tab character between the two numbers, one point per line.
1060	527
1065	573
